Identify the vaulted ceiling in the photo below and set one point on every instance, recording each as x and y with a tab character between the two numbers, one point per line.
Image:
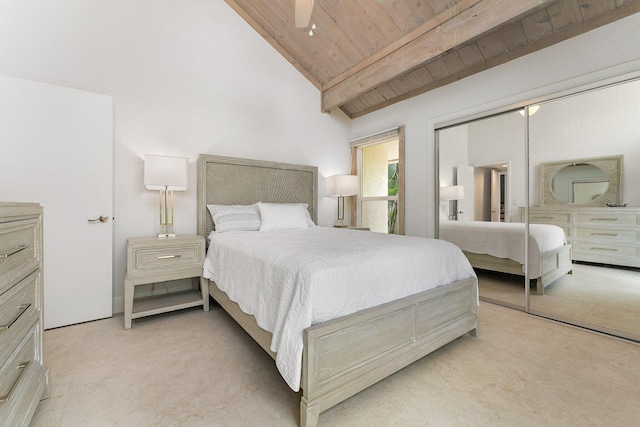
367	54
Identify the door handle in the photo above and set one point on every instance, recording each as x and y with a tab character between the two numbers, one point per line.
101	218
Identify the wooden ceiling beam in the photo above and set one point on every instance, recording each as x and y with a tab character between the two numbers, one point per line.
467	20
629	8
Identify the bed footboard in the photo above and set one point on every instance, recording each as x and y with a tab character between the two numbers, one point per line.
347	355
555	263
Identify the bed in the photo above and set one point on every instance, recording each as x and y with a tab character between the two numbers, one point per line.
348	353
499	246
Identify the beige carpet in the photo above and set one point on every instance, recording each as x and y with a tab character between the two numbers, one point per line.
192	368
603	297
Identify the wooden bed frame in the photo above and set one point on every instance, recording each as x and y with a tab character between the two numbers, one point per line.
345	355
554	264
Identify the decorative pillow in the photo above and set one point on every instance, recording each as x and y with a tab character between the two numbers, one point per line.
235	217
282	216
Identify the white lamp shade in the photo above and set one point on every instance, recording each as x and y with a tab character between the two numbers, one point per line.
452	192
344	185
166	172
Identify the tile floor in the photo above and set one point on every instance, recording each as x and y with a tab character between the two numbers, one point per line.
192	368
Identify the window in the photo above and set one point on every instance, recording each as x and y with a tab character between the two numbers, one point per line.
380	168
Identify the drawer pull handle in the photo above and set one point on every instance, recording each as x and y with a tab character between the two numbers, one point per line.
543	217
23	367
13	251
604	249
603	219
22	309
168	256
604	234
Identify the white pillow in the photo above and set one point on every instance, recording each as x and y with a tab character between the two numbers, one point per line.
282	216
235	217
310	222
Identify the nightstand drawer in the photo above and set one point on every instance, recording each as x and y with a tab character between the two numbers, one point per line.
18	250
148	257
18	312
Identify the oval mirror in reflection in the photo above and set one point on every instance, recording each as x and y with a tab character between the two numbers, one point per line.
579	183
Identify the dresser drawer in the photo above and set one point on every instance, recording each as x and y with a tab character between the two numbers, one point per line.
14	372
604	234
178	255
604	218
607	252
18	312
549	217
18	250
22	380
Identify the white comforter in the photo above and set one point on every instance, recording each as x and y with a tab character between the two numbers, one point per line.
290	280
504	240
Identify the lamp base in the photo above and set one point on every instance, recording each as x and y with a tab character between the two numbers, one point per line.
340	223
166	236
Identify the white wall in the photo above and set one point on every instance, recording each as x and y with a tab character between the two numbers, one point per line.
593	124
454	151
602	53
186	77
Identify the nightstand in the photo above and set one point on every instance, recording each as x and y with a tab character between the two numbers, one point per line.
153	260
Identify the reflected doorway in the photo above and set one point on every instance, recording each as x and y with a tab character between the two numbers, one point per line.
494	149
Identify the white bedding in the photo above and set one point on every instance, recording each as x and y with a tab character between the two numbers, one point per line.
290	280
504	240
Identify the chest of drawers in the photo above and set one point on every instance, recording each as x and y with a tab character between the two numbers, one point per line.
600	235
24	378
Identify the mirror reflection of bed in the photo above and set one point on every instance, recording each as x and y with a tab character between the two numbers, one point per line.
592	138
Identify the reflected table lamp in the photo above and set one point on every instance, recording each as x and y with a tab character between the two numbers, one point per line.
343	186
166	174
452	193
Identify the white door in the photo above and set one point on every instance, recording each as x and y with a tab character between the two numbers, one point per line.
56	148
495	195
466	206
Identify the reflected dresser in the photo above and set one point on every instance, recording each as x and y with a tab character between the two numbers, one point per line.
24	378
597	234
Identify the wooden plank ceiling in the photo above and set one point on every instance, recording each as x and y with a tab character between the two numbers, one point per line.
367	54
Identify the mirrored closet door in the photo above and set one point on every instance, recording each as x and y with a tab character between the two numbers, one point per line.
580	204
482	191
584	152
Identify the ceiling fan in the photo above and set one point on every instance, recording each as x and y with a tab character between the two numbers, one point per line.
303	10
